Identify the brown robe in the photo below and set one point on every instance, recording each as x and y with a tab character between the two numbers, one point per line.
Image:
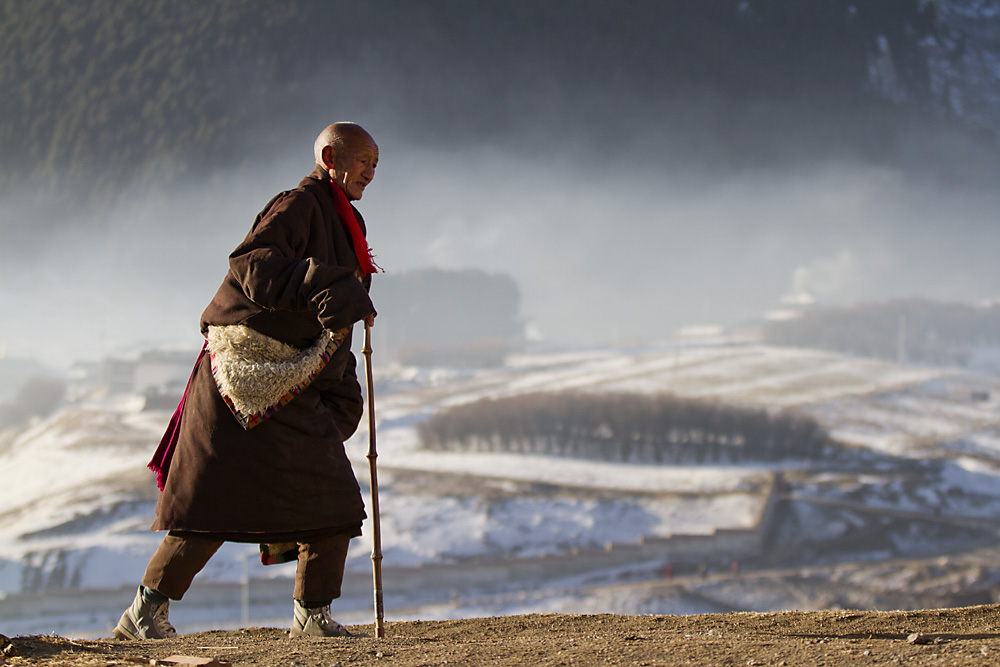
288	477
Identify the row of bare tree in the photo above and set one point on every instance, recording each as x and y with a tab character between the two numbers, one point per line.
638	428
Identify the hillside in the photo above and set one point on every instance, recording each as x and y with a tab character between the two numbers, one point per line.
907	521
954	637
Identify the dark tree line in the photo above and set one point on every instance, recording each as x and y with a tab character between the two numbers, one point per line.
95	92
102	90
916	330
634	428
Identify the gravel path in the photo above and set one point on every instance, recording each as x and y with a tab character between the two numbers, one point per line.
964	636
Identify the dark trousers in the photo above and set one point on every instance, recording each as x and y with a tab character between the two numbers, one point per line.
181	556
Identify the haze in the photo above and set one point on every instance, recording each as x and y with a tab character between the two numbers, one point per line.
620	222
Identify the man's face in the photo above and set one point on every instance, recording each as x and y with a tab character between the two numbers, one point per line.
354	166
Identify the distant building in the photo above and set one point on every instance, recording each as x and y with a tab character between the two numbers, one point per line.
162	370
159	374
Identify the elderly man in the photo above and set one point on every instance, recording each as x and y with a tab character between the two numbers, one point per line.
255	452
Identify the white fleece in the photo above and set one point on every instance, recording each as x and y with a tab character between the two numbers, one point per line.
255	370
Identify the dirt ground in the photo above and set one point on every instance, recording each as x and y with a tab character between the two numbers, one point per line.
964	636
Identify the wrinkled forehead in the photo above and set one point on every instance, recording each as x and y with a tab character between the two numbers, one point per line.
358	143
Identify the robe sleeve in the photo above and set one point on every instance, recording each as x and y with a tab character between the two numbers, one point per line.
273	271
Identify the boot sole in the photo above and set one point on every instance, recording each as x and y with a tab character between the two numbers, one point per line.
122	632
125	632
294	632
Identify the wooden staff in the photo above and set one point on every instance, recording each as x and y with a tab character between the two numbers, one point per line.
372	455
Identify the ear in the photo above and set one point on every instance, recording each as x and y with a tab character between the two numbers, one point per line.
329	157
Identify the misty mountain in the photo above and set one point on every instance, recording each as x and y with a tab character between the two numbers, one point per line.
98	94
634	166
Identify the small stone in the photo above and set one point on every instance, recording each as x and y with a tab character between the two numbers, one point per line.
917	638
985	651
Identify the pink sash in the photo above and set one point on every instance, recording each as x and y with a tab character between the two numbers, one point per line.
160	464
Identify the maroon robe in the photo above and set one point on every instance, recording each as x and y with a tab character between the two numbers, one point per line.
288	477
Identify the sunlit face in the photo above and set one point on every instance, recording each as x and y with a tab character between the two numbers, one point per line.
354	166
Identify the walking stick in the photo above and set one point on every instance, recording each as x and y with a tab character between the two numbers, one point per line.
372	455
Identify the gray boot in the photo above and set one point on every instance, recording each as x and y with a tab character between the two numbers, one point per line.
315	622
146	618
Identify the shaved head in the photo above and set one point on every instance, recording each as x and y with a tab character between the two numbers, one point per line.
340	137
348	155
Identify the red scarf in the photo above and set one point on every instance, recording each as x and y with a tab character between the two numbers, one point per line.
366	260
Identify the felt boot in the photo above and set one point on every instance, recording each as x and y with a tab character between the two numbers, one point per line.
146	618
315	622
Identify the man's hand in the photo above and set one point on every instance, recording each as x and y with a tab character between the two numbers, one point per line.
370	320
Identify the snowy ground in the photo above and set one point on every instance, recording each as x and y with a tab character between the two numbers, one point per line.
76	500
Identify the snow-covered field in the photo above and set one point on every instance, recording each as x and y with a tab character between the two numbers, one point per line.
76	499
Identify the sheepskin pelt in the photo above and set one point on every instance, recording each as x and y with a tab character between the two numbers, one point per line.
257	374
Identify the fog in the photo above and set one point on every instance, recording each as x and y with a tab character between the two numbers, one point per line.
623	207
604	253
